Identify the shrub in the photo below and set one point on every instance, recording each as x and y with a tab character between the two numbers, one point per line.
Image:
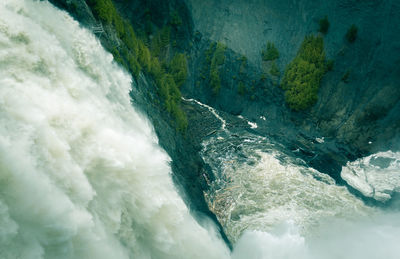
217	59
270	53
144	56
324	25
175	19
303	75
351	33
129	38
274	69
104	10
215	81
178	69
134	65
219	55
160	42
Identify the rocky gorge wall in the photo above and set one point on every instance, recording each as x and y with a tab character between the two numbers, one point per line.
363	112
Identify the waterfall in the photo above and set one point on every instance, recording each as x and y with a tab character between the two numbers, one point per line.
83	177
81	173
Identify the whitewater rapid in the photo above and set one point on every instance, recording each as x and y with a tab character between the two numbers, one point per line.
81	174
273	206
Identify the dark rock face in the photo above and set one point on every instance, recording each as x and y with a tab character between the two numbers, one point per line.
363	112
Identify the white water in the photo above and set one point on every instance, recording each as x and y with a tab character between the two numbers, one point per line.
376	176
274	207
81	174
211	109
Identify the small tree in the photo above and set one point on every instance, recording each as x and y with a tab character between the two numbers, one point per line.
270	53
324	25
274	69
351	33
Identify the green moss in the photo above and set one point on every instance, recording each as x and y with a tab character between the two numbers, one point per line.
303	75
270	52
324	25
351	34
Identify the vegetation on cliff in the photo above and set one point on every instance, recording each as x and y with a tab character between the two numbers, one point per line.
303	75
324	25
137	55
270	52
215	58
351	34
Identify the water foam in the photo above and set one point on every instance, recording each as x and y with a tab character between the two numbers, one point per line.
272	206
376	176
81	174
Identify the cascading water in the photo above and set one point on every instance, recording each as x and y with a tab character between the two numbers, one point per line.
273	206
81	175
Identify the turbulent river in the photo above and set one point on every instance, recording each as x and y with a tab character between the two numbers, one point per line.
82	175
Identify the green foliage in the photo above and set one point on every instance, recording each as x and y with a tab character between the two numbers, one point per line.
209	52
135	55
274	69
175	19
351	34
324	25
178	69
156	69
144	56
119	26
172	98
303	75
134	66
129	38
160	42
104	10
217	60
241	88
117	55
270	53
219	55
